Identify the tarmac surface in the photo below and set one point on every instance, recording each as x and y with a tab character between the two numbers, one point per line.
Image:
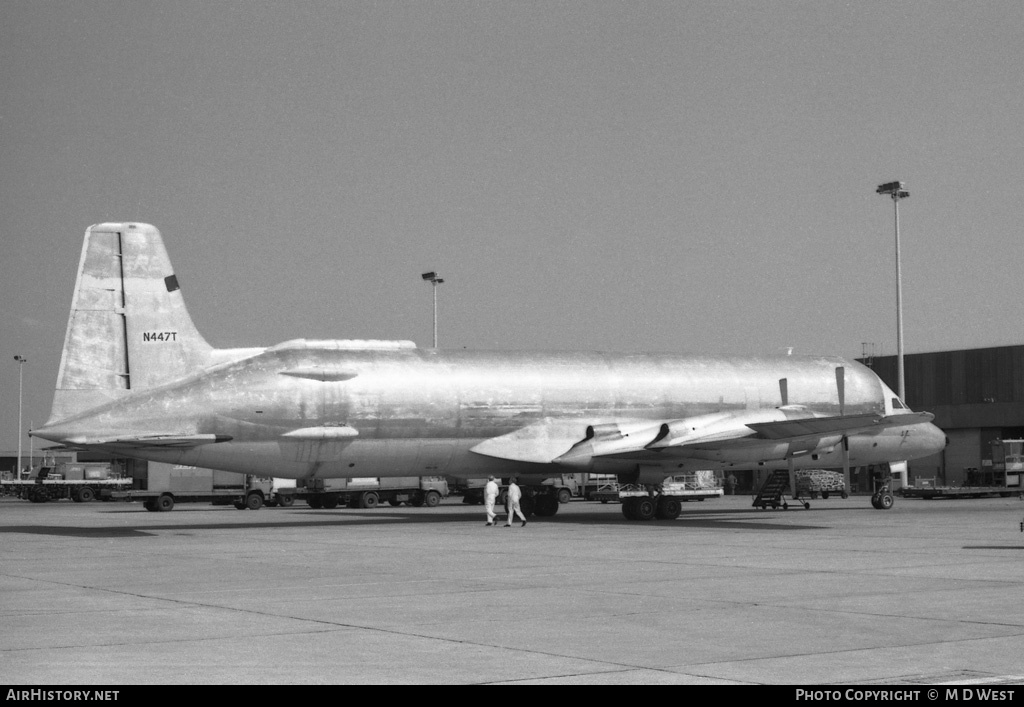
929	592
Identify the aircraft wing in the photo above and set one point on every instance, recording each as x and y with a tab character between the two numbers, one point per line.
539	443
575	443
845	424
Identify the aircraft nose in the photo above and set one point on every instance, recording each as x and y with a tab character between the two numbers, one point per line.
937	439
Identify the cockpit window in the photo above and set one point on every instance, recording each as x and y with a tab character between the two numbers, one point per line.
897	404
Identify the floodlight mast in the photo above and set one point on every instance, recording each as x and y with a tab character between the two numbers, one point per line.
21	365
434	280
897	192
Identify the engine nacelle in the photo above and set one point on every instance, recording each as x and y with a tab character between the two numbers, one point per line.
707	428
612	438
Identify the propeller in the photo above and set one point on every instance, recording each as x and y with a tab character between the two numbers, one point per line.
784	394
841	387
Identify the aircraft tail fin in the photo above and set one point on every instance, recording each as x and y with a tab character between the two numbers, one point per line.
128	328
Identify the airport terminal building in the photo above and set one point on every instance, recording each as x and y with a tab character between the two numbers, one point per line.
977	396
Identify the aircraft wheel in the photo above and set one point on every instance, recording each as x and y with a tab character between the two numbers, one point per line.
645	508
669	508
885	501
629	508
545	506
432	499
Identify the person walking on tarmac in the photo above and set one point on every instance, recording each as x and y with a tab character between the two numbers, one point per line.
490	496
514	494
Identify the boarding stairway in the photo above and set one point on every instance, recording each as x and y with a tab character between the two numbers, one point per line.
773	490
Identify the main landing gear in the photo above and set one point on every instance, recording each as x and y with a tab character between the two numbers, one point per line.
542	505
651	507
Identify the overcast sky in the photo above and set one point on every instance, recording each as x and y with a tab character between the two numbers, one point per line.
625	176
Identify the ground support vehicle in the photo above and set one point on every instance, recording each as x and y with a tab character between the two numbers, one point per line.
78	482
926	488
600	487
604	492
369	492
161	485
1003	477
243	492
664	501
820	482
773	492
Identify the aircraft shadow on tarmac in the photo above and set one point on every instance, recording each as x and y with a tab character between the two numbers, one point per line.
734	519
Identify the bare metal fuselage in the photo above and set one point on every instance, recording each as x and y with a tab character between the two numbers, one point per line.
323	409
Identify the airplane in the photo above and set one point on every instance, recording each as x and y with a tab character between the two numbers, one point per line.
138	380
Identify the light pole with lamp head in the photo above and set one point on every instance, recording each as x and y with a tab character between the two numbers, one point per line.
434	280
21	364
896	191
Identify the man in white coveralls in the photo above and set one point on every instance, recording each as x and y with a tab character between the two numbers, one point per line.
514	494
490	496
